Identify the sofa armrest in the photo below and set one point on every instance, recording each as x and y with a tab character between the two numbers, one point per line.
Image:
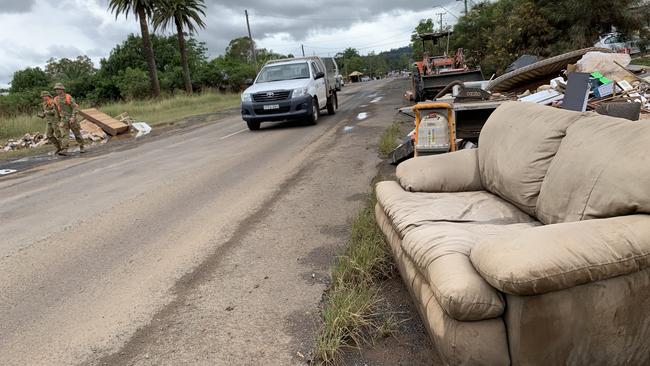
560	256
451	172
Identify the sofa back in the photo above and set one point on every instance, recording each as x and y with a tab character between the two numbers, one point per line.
602	169
516	147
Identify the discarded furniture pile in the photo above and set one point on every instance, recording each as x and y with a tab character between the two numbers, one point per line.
590	79
599	81
534	248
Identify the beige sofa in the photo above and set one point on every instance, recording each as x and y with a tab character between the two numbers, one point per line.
533	249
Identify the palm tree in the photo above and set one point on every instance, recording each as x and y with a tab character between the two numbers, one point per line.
142	9
183	14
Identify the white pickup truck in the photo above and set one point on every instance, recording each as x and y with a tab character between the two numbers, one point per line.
288	89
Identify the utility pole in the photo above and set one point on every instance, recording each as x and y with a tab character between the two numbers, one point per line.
441	15
303	49
250	37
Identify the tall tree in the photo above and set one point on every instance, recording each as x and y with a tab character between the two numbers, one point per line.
496	33
142	10
183	14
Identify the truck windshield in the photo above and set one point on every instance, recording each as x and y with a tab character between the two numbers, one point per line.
283	72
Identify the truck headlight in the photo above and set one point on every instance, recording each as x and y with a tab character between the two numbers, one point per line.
297	93
246	97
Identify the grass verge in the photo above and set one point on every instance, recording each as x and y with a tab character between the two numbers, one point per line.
349	314
154	112
388	139
157	112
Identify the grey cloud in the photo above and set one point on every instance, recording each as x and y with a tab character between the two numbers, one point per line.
323	9
299	19
13	6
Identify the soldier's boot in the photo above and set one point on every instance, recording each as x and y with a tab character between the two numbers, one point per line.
76	131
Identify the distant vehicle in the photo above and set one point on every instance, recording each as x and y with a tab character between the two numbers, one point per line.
365	78
618	42
333	67
288	89
434	73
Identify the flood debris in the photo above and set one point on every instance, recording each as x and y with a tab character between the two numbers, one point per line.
28	141
89	132
92	132
142	128
97	133
107	123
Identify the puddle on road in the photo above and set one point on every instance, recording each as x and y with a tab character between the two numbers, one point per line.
376	100
348	128
361	116
26	162
7	171
364	106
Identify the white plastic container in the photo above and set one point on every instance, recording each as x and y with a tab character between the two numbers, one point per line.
433	134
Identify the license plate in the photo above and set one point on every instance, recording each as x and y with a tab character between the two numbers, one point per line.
269	107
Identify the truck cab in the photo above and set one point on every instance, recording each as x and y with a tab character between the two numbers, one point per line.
289	89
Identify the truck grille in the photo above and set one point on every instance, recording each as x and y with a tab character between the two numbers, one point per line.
272	96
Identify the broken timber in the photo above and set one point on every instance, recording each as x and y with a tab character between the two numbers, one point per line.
107	123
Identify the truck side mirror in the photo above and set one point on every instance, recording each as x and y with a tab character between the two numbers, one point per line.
319	75
248	82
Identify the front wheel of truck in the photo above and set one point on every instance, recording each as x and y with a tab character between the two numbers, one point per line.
253	125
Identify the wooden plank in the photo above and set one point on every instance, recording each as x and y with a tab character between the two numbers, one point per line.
109	124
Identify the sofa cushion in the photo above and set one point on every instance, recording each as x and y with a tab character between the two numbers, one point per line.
516	147
560	256
453	172
602	169
441	251
407	210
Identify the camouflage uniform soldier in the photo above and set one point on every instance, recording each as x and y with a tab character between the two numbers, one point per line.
50	113
68	110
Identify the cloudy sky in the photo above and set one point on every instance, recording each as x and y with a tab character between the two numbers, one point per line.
32	31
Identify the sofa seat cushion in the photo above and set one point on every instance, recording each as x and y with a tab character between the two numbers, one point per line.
560	256
408	210
601	170
441	251
517	145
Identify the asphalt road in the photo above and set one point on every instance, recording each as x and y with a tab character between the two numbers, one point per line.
205	246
